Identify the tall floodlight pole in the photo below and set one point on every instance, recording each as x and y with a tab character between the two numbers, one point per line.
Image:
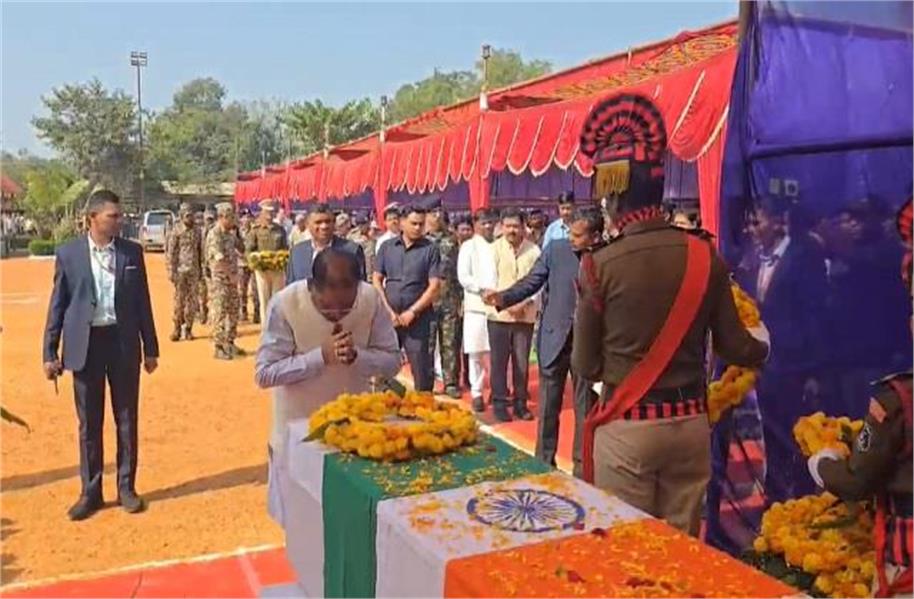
483	95
138	60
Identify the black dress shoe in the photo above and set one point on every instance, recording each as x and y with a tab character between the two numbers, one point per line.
479	405
221	354
235	350
501	413
452	392
85	507
522	413
132	503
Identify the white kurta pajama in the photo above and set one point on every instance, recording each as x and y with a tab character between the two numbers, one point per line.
289	360
476	271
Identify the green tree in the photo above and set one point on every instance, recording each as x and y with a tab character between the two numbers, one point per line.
16	166
197	138
47	201
441	89
314	125
94	130
506	67
265	139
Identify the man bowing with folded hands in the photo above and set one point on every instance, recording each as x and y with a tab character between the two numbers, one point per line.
322	337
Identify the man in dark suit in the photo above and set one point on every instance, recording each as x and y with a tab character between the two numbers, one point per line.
321	224
787	278
555	271
100	307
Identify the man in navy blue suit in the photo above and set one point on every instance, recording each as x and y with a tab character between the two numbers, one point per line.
321	224
100	307
787	277
555	272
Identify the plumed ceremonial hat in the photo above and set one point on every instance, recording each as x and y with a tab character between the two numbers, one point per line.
626	138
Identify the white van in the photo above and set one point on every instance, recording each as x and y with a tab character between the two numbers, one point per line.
156	224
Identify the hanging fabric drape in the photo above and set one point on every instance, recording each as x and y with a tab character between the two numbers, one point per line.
531	127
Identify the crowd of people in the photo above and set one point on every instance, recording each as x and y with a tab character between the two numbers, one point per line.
467	294
621	295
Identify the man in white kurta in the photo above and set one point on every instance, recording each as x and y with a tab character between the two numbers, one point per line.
322	337
476	272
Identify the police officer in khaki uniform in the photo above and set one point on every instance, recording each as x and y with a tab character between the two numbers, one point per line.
880	465
266	236
648	300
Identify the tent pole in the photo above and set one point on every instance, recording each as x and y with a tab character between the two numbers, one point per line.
745	11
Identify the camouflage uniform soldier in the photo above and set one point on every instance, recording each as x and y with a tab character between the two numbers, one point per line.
247	282
222	259
184	252
361	234
446	329
209	220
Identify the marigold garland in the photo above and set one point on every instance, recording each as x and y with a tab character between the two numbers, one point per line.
361	424
824	537
817	431
736	381
272	261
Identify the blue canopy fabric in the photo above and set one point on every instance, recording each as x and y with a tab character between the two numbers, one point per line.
820	136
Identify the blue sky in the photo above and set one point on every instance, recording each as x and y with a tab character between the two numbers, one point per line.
301	51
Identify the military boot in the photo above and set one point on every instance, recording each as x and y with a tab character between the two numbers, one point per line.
175	334
256	319
188	334
221	354
235	351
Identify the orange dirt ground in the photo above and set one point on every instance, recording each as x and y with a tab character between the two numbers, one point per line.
203	435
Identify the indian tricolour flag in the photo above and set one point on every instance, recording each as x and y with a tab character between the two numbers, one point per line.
359	528
434	527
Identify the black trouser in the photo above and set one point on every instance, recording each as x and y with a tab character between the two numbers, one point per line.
552	389
781	400
510	340
415	340
105	359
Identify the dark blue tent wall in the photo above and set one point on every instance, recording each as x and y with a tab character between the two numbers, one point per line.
821	123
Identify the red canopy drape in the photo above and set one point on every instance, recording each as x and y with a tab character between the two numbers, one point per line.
530	127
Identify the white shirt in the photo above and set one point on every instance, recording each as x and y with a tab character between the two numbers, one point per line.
102	261
767	267
384	237
476	271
